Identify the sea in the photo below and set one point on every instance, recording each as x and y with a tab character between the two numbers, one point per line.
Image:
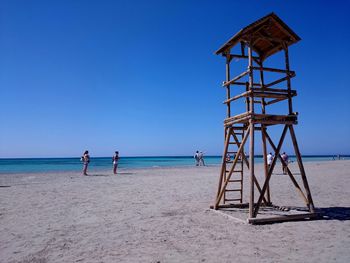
42	165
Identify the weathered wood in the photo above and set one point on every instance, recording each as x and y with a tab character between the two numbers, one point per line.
263	137
290	106
302	170
267	179
226	83
280	80
244	158
240	56
244	94
273	90
275	70
252	175
259	93
274	101
238	83
228	90
251	131
240	149
288	171
264	41
223	166
282	218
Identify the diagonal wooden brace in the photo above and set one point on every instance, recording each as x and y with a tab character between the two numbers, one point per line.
288	171
267	179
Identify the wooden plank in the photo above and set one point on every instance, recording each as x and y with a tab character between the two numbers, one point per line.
275	70
223	166
251	169
267	179
283	218
251	133
240	149
302	170
264	148
285	91
240	56
280	80
288	171
243	205
226	83
259	93
274	101
244	94
290	106
239	83
228	90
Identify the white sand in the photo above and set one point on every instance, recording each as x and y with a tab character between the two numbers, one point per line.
162	215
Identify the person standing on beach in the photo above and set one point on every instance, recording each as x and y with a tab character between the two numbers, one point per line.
85	159
115	159
269	159
201	159
196	157
285	158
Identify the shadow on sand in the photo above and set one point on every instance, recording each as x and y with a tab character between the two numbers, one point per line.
334	213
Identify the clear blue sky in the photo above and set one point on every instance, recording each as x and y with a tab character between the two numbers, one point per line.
141	76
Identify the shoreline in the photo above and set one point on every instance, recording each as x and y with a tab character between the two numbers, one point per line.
95	169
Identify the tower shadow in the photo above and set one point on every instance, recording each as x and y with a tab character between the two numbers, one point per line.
334	213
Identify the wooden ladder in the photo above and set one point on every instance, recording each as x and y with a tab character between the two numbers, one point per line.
234	189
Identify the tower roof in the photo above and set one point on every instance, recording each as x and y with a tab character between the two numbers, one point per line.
268	35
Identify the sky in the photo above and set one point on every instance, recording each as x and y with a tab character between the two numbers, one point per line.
141	77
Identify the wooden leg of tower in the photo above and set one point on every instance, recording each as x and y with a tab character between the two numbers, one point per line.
224	163
251	166
265	161
223	166
241	173
302	170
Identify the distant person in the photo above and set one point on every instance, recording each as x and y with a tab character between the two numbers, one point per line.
285	158
115	159
86	160
269	159
201	159
196	158
228	157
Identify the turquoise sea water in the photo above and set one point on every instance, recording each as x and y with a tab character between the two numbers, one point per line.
37	165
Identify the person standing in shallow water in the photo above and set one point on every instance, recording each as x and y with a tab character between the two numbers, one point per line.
285	158
196	157
115	159
86	160
201	159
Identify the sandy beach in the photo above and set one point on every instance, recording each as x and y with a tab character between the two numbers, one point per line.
163	215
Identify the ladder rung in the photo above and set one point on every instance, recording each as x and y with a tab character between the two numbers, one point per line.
232	143
236	199
235	171
238	161
231	152
233	190
238	133
234	181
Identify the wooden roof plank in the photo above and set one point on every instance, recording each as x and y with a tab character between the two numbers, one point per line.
274	29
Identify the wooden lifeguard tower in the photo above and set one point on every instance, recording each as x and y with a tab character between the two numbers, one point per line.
258	87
